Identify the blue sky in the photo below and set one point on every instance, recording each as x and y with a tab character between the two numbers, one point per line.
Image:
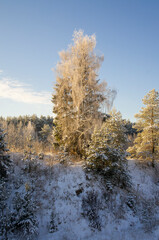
33	32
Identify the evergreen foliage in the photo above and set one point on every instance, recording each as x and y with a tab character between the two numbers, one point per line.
46	135
5	224
30	158
24	222
130	129
38	122
19	130
91	207
5	161
146	144
4	212
52	226
45	132
106	153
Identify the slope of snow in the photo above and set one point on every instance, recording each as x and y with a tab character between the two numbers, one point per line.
143	178
68	206
83	208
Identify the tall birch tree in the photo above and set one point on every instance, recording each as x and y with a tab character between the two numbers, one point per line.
78	93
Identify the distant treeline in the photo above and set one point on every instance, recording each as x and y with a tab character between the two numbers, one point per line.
24	130
37	122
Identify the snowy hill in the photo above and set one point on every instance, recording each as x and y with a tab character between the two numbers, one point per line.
75	205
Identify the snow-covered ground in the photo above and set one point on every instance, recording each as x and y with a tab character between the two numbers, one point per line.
83	208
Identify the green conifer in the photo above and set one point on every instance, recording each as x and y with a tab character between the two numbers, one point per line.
146	144
5	161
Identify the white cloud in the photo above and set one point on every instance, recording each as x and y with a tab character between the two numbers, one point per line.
1	71
16	91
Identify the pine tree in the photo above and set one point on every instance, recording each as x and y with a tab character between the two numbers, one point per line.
4	211
146	144
46	137
24	222
78	94
5	164
5	161
106	153
114	129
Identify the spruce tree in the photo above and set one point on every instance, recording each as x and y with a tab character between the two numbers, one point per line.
5	164
115	131
5	215
78	94
106	153
146	144
5	161
24	221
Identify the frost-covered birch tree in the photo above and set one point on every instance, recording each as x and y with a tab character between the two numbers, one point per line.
146	144
78	93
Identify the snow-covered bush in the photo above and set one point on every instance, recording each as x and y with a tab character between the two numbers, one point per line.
3	194
5	224
147	214
30	160
5	161
131	202
30	166
106	153
90	206
64	157
52	225
5	166
24	222
5	214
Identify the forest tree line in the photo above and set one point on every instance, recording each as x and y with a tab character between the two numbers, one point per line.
24	130
39	130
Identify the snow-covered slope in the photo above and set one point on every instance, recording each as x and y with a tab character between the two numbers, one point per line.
83	207
72	189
